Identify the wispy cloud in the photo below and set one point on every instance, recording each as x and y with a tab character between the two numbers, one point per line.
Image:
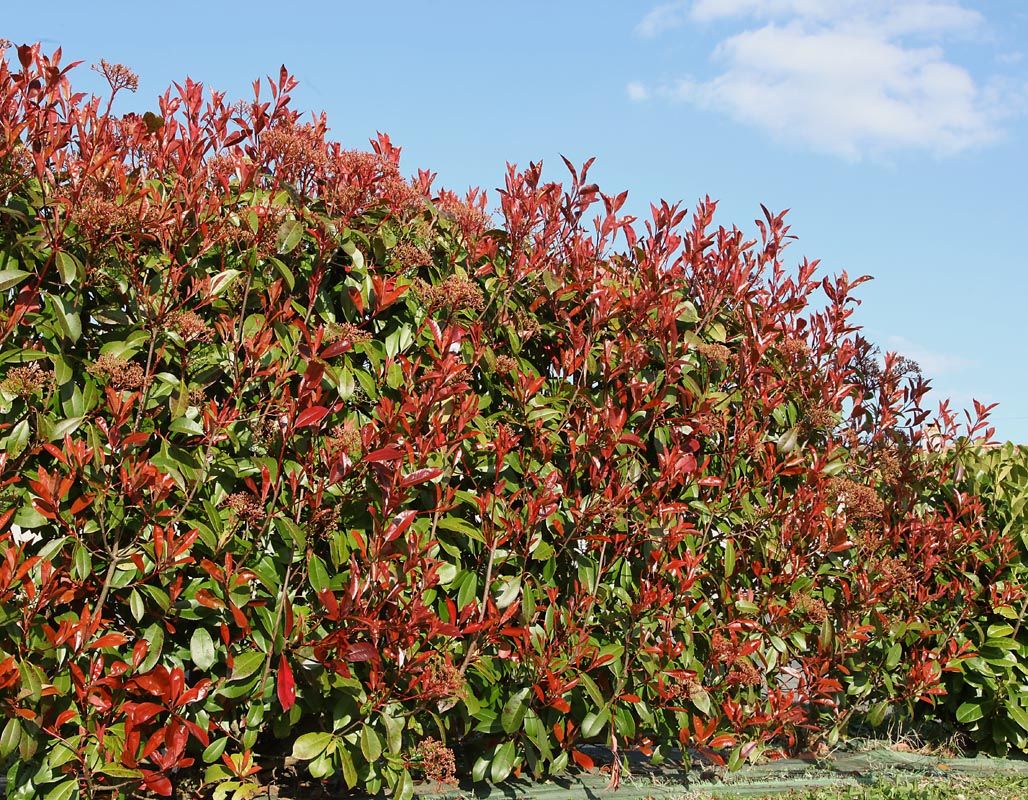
848	77
933	363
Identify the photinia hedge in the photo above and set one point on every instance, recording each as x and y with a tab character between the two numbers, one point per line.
299	457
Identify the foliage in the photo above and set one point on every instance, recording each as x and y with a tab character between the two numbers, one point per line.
989	695
300	456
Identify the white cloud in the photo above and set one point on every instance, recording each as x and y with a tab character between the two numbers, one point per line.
637	91
849	77
933	364
662	18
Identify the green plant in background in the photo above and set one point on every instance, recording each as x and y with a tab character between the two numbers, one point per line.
989	695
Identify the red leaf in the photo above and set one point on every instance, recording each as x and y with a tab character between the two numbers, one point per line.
400	524
361	651
157	783
562	705
582	759
286	684
109	640
139	651
311	416
157	682
387	453
724	740
420	476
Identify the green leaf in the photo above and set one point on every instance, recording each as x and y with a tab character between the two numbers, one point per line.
9	737
291	533
66	317
371	745
290	233
514	711
969	712
136	605
311	745
394	731
789	440
246	664
9	278
214	750
118	771
201	649
594	723
687	312
346	763
64	428
355	255
404	787
729	558
317	574
700	699
69	267
502	762
64	790
509	592
222	281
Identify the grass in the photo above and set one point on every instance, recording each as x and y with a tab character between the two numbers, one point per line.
1000	787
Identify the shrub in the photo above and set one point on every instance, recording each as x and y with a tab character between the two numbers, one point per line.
988	697
300	456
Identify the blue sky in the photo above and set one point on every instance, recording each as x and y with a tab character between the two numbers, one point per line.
895	130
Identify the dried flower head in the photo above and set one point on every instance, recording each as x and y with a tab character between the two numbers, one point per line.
436	761
441	679
743	673
717	353
890	570
889	465
191	327
259	230
710	422
323	521
27	380
506	365
722	649
410	256
15	167
819	418
401	197
118	372
266	432
809	606
468	215
525	325
346	440
345	331
859	501
246	507
118	76
455	294
295	149
794	347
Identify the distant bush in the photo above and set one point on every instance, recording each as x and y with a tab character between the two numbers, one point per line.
298	456
988	696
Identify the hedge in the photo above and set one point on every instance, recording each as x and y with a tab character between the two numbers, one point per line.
299	457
